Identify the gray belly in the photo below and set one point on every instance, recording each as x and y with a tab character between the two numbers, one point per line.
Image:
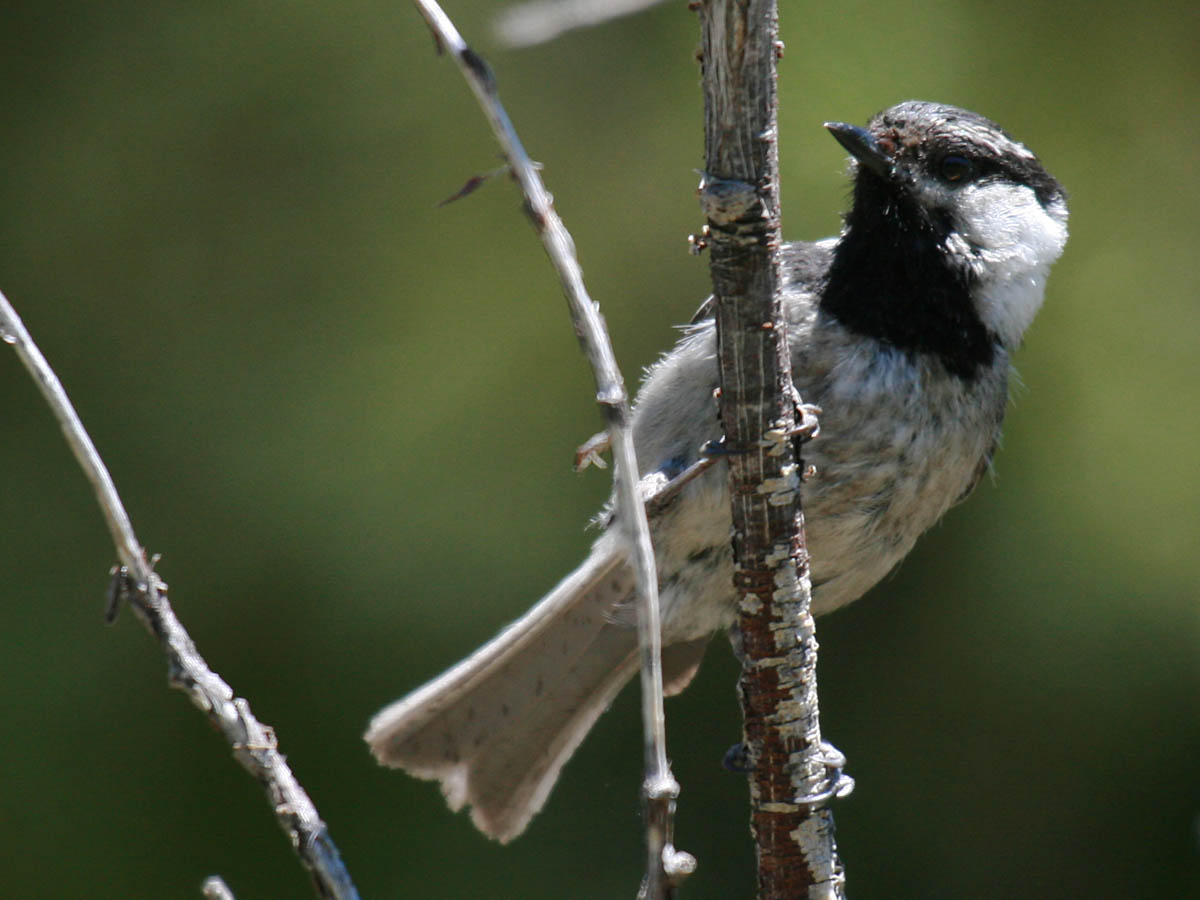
900	443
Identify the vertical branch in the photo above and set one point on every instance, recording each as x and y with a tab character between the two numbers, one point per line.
774	632
665	866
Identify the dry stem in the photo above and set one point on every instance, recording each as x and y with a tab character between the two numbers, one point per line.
665	865
774	634
135	580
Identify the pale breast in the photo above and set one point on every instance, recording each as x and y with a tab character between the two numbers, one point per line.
900	442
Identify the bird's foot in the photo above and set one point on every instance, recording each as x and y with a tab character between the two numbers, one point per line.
836	783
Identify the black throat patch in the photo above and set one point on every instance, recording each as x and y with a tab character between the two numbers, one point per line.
892	279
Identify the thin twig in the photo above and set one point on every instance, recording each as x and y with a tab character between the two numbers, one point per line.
659	496
792	774
665	865
253	743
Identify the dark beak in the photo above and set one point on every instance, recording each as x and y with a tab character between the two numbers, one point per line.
862	146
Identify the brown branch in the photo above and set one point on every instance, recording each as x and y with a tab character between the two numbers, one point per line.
252	742
774	632
665	866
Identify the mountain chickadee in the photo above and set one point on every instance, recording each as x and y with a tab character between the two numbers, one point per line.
900	330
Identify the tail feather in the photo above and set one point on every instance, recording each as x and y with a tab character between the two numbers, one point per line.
511	782
497	728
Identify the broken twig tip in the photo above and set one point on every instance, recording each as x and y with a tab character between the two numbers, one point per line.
118	586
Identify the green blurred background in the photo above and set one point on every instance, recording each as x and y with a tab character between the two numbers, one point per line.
346	418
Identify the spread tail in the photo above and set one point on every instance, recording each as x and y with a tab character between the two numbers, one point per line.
496	729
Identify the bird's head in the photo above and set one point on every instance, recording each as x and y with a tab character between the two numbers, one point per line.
934	179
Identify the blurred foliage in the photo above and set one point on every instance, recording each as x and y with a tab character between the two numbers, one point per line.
345	418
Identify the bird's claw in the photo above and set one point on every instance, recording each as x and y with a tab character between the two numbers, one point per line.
722	447
836	782
737	759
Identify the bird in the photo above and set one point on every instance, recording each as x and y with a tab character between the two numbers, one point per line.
901	329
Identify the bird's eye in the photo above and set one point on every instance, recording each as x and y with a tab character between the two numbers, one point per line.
954	168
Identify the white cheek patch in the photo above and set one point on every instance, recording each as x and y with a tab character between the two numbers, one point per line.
1014	240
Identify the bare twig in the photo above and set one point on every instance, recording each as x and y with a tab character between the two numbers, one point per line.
790	778
539	21
665	865
253	743
659	496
